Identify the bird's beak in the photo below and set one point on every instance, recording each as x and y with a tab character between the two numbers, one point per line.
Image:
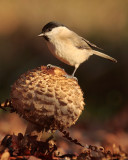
41	35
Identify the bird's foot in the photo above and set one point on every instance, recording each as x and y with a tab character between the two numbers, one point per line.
53	66
70	76
50	66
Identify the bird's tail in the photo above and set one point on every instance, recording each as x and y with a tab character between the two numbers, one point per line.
104	55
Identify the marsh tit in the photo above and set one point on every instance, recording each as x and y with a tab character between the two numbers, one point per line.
68	46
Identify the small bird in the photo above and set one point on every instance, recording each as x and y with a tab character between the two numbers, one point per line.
68	46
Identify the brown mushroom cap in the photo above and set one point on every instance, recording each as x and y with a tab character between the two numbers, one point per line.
44	96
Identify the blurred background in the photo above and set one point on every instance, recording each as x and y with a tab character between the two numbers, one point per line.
104	23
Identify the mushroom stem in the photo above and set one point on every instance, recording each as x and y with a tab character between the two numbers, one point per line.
35	130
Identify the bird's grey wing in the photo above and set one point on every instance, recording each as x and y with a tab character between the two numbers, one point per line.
91	44
82	43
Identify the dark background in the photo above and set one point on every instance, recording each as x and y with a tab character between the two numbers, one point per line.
104	23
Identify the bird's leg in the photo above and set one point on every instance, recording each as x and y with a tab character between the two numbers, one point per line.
74	72
76	66
72	76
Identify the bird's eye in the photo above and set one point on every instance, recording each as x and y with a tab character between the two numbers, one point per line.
49	29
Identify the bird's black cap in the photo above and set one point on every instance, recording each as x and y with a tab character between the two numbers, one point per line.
49	26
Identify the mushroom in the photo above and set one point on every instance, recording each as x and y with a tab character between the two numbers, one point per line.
47	98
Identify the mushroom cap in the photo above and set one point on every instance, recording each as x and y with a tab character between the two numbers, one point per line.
47	98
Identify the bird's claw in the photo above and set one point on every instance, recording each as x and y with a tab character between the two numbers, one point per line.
70	76
50	66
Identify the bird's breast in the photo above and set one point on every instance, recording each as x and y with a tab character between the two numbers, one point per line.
60	51
67	53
